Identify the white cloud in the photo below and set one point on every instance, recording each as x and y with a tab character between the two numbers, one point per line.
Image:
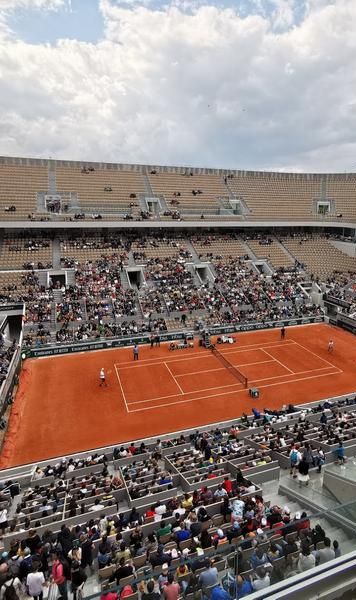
11	5
203	87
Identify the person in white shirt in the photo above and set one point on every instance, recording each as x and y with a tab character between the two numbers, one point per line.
97	505
3	520
35	582
263	579
160	509
102	377
11	581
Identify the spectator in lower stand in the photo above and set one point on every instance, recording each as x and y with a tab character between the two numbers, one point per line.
218	593
243	587
160	557
150	594
78	578
193	586
324	554
35	582
181	535
65	539
104	552
171	590
164	529
87	547
10	582
58	577
317	535
125	569
33	541
258	558
195	526
209	577
262	580
227	485
336	549
306	559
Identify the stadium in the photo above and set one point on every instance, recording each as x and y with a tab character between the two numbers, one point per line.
177	299
231	286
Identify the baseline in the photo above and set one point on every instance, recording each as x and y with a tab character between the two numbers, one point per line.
233	392
317	355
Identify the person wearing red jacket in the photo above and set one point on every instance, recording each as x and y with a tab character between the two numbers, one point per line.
227	485
58	577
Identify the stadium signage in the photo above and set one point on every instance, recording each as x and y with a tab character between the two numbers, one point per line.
164	337
266	325
102	345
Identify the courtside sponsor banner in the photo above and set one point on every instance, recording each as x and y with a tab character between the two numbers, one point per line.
164	337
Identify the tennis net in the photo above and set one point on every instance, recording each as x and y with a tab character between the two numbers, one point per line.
229	366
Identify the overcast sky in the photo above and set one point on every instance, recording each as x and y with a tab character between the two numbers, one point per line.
246	84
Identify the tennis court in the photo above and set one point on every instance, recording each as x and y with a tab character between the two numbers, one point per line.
60	408
189	375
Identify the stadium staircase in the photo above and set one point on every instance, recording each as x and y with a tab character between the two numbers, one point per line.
124	280
147	185
283	248
70	277
42	278
189	246
52	187
249	250
57	299
56	253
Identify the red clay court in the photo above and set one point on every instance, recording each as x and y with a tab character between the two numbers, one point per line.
60	408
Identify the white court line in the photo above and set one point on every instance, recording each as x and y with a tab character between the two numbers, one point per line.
174	379
260	347
197	355
224	368
317	355
299	373
228	393
160	359
122	389
276	359
221	387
